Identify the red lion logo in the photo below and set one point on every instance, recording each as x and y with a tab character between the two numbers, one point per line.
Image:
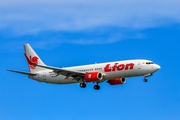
33	60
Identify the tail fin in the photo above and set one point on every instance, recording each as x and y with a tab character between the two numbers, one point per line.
32	57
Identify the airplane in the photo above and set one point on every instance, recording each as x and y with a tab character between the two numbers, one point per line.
114	73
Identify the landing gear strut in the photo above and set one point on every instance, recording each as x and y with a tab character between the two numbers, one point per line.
83	85
96	87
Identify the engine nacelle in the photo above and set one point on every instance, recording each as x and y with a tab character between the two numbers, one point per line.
117	81
93	76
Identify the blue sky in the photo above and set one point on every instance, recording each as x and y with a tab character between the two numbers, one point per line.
69	33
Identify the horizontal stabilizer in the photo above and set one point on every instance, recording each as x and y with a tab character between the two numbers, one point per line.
62	71
20	72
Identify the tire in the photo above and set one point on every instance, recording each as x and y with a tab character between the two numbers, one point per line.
96	87
145	80
82	85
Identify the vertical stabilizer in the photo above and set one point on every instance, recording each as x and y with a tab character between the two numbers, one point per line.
32	57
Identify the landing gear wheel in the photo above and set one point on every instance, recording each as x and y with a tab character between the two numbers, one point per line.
145	80
82	85
96	87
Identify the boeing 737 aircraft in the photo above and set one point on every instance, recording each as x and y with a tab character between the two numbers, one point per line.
113	72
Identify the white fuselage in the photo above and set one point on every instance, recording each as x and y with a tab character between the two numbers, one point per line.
110	70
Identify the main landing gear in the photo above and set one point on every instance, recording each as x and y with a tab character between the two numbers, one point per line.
96	87
145	77
83	85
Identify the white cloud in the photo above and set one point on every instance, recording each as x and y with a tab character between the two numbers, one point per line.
27	17
46	40
90	19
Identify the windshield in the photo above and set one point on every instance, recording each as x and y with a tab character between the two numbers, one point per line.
149	63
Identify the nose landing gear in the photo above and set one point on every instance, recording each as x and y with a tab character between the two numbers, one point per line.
145	80
145	77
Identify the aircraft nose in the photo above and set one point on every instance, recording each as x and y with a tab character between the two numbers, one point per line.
157	67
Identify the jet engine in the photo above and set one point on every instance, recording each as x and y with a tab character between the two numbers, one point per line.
93	76
117	81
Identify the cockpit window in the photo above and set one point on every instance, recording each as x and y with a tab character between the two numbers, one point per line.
149	63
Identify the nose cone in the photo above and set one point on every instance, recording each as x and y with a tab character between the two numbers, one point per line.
156	67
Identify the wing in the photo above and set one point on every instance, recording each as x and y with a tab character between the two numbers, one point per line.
67	73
